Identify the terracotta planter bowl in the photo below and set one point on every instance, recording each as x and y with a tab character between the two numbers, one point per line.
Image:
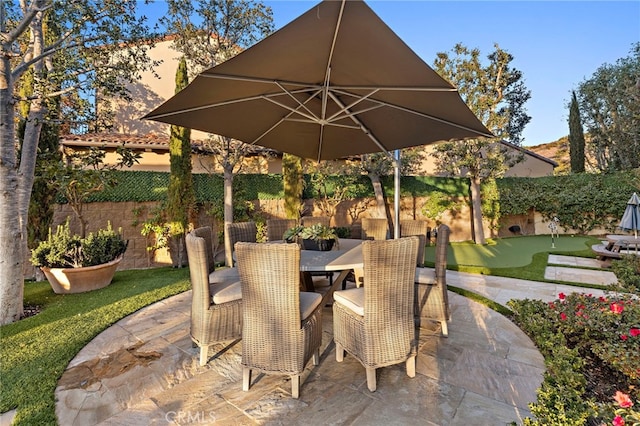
80	280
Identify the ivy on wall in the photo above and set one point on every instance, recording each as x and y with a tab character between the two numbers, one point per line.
581	201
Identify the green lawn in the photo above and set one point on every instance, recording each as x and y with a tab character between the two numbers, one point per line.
34	352
522	257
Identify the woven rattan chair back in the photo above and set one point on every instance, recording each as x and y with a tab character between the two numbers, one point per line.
275	339
385	335
277	227
241	231
210	322
418	228
374	228
432	300
206	233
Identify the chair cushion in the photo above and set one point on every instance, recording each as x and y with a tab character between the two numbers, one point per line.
224	275
352	298
308	303
225	292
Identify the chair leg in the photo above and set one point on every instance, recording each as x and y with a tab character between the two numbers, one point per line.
316	357
295	386
246	378
445	328
411	366
204	355
339	352
371	378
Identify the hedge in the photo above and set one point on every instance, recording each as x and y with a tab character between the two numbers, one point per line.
581	201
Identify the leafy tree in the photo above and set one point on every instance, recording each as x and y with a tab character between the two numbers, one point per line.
381	164
84	174
576	136
208	32
610	105
180	194
496	94
63	66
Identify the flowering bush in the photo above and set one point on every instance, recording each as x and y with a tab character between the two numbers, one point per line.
625	414
576	333
609	327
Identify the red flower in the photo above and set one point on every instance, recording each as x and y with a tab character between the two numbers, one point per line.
623	399
616	308
635	332
563	316
552	305
602	298
624	336
618	421
561	296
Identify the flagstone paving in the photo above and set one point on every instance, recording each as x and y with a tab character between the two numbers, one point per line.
144	370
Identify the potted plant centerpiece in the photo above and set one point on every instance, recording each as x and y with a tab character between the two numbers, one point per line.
318	237
73	264
292	235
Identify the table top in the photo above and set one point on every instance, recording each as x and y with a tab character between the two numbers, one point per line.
628	239
347	256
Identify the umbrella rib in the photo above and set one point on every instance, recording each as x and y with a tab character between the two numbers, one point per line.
292	110
317	86
422	114
327	73
354	103
345	126
296	100
229	102
365	129
260	80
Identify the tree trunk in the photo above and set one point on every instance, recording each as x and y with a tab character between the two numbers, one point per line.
228	211
476	211
11	261
379	194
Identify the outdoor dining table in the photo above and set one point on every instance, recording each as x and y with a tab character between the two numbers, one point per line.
616	242
347	257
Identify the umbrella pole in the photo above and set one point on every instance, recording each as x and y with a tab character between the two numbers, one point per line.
396	195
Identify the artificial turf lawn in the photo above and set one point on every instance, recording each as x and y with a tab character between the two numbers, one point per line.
514	252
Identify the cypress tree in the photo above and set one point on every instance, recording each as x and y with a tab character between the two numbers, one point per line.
293	184
576	137
180	194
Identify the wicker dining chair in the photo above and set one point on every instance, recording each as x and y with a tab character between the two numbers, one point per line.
432	300
282	326
216	276
240	231
216	310
374	228
375	323
277	227
418	228
312	220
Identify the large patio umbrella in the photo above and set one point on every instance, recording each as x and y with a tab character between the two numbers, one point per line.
631	218
333	83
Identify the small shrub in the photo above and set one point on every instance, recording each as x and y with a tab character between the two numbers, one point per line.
64	250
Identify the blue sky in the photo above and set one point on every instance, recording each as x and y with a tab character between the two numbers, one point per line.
556	44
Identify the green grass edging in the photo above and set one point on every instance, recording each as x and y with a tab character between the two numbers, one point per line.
35	351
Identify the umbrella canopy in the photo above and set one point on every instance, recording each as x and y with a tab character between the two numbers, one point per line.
335	82
631	218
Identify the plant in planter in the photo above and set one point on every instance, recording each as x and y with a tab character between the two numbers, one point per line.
73	264
318	237
292	235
